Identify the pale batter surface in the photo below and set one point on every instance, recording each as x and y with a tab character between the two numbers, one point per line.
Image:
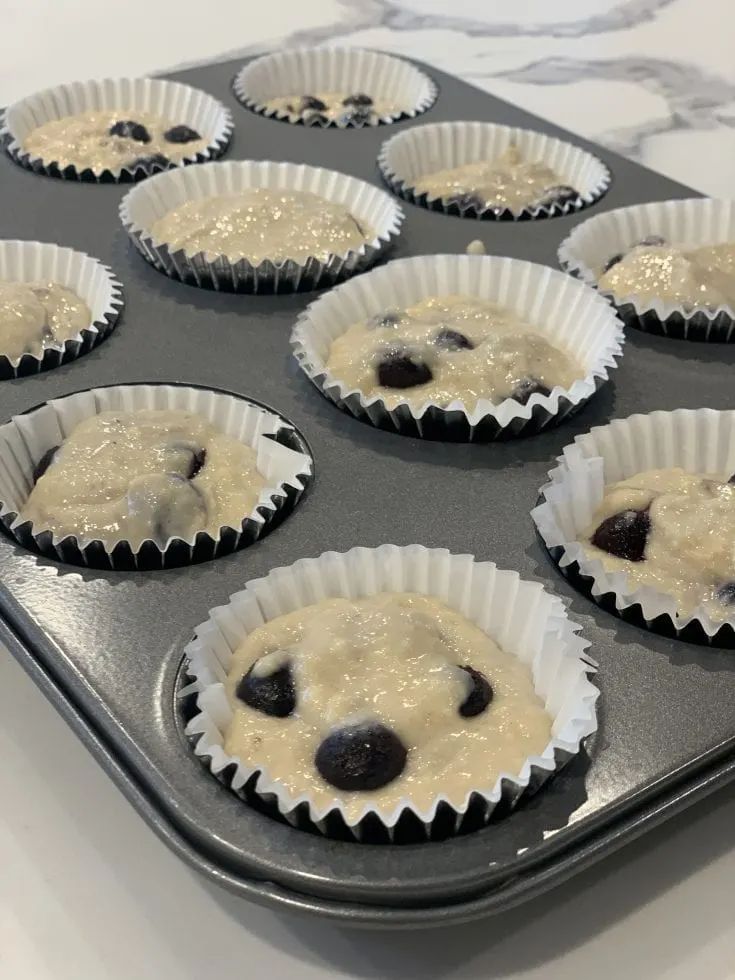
36	315
449	348
85	140
131	476
260	224
391	658
341	107
509	181
689	548
703	276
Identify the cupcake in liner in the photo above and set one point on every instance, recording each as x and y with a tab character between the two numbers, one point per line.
145	204
526	621
40	262
304	71
282	458
575	319
421	150
698	441
174	101
692	222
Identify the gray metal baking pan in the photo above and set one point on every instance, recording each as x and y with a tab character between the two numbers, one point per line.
106	647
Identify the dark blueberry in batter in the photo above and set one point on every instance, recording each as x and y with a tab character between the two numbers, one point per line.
361	757
726	594
613	260
559	194
198	459
652	240
43	464
154	160
359	98
172	513
624	534
130	130
399	370
453	340
390	318
181	134
309	102
465	201
480	696
732	479
527	387
274	694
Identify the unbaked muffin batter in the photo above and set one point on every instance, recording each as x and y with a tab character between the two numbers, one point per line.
36	315
673	531
393	660
449	348
703	276
340	107
260	224
509	181
111	139
131	476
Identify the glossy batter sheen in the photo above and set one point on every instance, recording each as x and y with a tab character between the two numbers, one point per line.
506	351
392	658
36	315
508	181
261	224
333	106
123	476
703	276
690	550
84	140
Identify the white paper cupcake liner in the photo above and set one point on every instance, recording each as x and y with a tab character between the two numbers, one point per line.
524	619
569	314
422	150
699	441
692	222
144	204
302	71
282	458
93	282
180	103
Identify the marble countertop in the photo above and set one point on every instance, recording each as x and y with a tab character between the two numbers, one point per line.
86	890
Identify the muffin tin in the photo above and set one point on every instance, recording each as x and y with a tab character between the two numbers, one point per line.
107	647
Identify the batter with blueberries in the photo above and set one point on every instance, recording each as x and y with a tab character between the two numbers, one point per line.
446	349
674	532
144	475
343	108
383	699
37	315
110	139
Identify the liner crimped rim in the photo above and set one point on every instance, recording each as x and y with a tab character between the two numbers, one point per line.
95	283
282	456
697	440
304	70
421	150
522	617
186	104
576	318
147	202
693	221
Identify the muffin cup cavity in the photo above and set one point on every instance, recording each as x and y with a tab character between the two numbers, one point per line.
180	103
566	312
692	222
22	261
524	619
422	150
145	204
282	458
699	441
302	71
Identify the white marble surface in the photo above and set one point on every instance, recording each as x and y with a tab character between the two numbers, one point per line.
86	890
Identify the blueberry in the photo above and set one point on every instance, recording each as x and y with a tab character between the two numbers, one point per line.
399	370
309	102
359	98
651	241
43	464
453	340
361	757
480	693
154	160
624	535
726	594
181	134
613	260
390	318
559	194
273	694
198	459
527	387
179	505
130	130
465	201
732	479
